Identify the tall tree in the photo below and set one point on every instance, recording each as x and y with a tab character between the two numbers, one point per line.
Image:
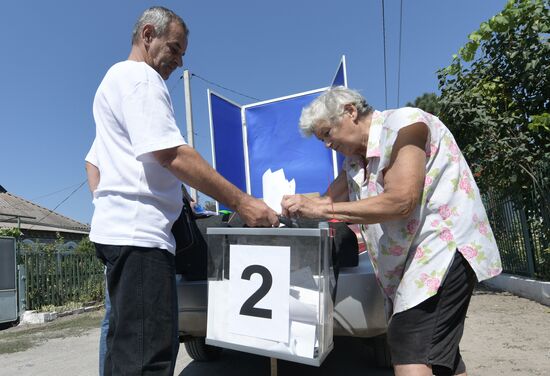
495	97
428	102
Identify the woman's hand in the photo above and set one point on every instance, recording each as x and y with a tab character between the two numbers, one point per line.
296	206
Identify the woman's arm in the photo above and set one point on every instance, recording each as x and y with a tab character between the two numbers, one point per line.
403	184
338	189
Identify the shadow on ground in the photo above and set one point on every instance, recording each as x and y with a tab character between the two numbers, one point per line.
7	325
482	289
350	356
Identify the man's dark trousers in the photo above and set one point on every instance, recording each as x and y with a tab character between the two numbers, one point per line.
143	334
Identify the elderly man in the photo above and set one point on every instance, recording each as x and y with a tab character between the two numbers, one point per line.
142	159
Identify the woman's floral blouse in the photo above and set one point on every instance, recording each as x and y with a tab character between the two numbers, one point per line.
411	256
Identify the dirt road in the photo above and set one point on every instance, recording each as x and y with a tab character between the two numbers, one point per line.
505	335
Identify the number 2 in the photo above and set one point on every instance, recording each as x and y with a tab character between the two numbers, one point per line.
248	308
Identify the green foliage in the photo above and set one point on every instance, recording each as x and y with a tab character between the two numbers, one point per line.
540	122
44	247
56	246
495	97
521	226
85	246
14	232
59	278
428	102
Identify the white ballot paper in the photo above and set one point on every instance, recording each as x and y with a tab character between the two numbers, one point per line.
275	186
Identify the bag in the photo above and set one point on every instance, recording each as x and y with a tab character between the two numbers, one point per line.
345	249
345	246
191	246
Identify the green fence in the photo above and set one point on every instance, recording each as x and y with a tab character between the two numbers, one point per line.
521	224
61	277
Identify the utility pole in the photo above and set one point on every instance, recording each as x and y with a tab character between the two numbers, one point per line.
189	119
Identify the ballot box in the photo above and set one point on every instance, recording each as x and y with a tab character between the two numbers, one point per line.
269	292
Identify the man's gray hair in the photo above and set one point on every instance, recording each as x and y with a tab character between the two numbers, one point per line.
329	108
160	18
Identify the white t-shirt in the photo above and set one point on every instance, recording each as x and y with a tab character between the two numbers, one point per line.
137	200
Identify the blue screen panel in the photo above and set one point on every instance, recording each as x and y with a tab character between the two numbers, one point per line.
274	142
339	77
228	141
340	80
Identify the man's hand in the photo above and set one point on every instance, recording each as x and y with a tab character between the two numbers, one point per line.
256	213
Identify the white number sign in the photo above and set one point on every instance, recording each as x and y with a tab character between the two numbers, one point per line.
259	282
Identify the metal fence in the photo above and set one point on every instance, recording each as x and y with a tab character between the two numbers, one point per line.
521	224
62	277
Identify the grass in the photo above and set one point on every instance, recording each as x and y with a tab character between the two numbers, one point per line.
24	337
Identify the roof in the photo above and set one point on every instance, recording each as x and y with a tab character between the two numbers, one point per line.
35	217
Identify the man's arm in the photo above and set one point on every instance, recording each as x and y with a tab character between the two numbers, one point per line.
188	166
92	172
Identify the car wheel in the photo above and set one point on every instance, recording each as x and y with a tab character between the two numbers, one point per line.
380	351
200	351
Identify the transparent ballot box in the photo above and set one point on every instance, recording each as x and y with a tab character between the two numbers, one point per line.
269	292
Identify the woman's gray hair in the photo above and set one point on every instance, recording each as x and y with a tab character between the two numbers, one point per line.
329	108
160	18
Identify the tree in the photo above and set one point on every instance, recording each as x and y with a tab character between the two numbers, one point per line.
10	231
495	97
428	102
85	246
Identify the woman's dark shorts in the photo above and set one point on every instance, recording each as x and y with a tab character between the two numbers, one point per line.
430	332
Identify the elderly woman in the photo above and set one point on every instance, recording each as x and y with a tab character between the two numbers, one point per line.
406	182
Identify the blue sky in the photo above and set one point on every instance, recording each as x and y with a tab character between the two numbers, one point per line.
55	54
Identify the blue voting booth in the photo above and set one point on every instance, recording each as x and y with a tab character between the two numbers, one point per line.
248	140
